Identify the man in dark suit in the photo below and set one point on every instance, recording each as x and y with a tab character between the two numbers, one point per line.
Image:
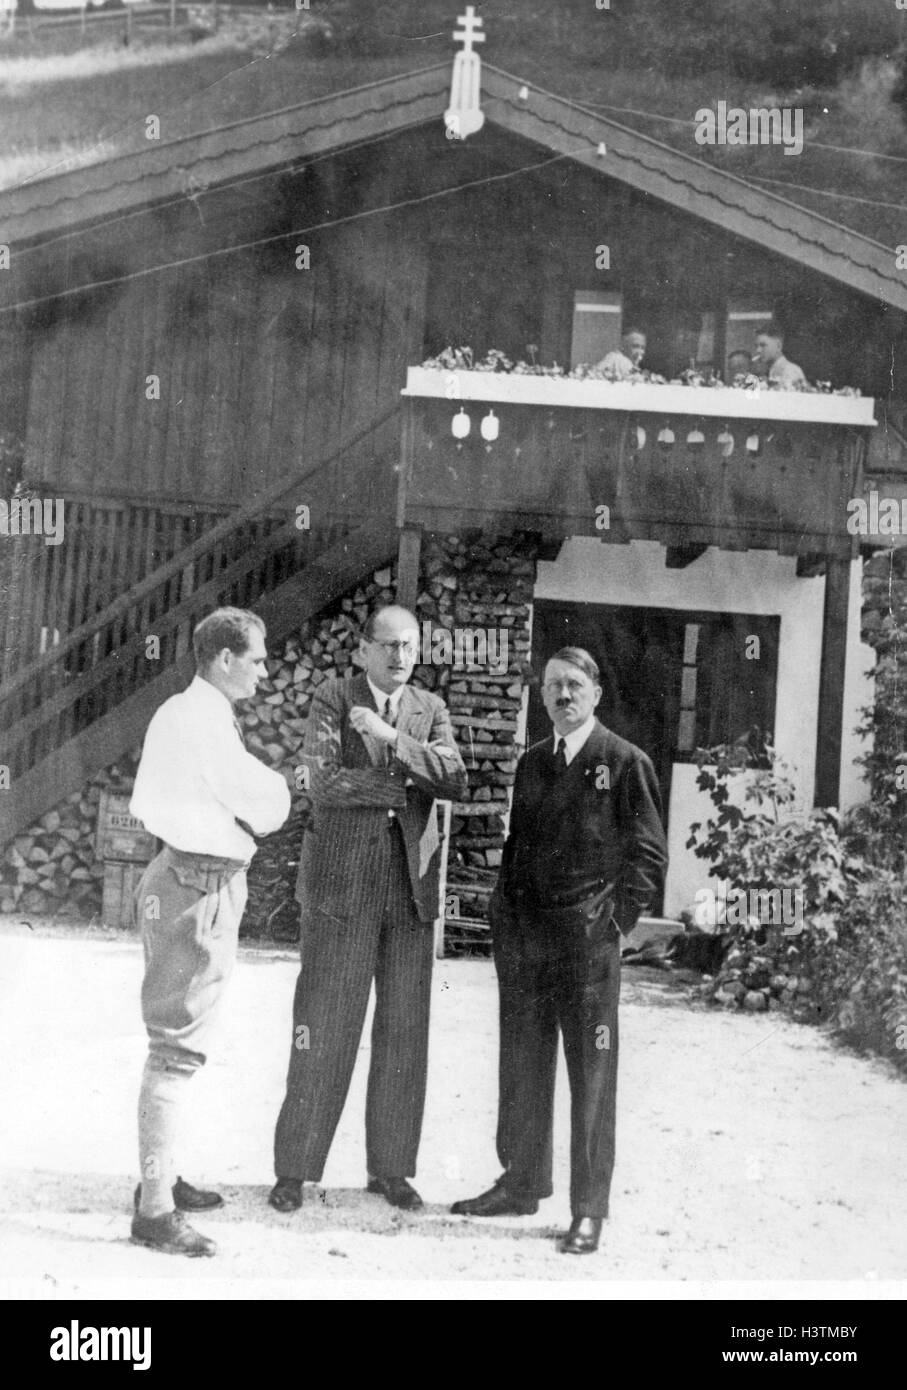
378	753
585	855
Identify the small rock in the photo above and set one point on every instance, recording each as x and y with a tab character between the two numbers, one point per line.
755	1001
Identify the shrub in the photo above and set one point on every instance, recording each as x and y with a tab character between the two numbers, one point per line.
844	960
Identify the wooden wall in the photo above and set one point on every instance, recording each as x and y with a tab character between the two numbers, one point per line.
262	374
264	369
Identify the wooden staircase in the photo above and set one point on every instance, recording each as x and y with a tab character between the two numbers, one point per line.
86	702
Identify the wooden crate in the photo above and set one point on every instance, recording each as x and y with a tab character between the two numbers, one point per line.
121	878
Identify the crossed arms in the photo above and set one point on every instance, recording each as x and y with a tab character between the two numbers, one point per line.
434	765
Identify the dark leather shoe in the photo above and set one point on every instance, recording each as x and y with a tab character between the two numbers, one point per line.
286	1194
398	1192
172	1234
583	1236
186	1197
499	1200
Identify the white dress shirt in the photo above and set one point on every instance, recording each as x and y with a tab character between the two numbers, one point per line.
574	742
196	777
619	363
382	699
785	374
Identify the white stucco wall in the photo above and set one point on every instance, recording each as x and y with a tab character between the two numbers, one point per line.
758	582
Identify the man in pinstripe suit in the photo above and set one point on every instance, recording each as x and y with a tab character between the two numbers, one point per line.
378	753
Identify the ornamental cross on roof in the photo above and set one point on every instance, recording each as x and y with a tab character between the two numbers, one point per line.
464	116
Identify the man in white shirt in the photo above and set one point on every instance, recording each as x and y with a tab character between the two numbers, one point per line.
626	364
202	793
782	374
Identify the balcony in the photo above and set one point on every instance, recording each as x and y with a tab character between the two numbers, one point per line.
686	466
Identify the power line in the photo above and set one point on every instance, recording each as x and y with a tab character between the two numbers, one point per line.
280	236
352	217
830	193
685	120
240	182
390	135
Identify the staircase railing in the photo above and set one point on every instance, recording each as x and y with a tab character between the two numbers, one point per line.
149	627
109	544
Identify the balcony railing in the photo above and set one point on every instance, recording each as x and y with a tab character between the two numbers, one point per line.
681	465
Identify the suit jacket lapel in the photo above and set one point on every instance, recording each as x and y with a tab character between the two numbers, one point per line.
566	785
412	718
361	694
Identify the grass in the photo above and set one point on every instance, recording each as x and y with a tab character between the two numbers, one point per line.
75	107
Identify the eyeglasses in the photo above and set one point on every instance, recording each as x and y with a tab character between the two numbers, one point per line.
392	648
573	686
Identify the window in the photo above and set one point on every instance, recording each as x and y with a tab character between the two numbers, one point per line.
597	327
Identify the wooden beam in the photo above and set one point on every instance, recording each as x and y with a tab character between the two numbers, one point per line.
410	549
677	557
810	564
830	725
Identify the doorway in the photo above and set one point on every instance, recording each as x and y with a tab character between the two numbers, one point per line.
672	681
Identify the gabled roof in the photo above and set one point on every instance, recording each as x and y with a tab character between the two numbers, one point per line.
162	171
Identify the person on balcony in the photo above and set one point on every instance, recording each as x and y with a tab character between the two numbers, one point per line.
782	374
201	792
739	363
626	363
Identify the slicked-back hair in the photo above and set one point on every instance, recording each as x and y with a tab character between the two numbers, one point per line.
225	627
772	330
584	661
368	627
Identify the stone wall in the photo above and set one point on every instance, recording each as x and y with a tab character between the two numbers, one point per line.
476	583
884	594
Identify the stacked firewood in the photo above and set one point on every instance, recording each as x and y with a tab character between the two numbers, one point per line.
467	583
481	583
51	868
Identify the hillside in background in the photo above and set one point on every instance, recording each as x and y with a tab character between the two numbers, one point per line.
649	64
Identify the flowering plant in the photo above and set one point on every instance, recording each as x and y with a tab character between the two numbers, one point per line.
464	359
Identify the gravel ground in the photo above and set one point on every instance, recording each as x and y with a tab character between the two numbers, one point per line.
749	1149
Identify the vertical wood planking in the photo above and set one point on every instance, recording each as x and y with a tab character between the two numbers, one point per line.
179	405
126	386
260	353
292	448
214	467
41	406
157	478
49	465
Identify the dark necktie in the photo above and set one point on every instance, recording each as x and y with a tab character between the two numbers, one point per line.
389	715
560	756
238	727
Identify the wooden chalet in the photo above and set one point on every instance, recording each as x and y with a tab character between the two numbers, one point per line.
202	338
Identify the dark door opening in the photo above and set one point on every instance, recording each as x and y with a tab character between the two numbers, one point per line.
672	681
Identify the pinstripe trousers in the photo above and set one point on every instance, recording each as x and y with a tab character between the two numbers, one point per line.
340	958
